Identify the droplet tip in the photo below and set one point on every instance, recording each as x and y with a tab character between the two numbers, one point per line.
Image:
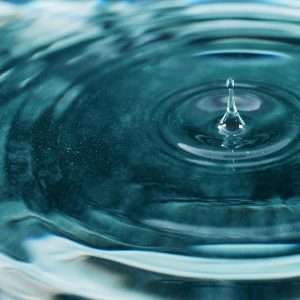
230	83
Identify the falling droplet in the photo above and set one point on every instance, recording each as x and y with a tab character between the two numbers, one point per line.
231	123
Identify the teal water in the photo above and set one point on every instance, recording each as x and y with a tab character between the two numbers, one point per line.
116	181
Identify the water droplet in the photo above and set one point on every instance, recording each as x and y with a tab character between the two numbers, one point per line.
231	123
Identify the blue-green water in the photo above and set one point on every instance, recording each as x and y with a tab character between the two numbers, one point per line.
116	183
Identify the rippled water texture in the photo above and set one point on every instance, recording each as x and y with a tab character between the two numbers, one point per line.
115	182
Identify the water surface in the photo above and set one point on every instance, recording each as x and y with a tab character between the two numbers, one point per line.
115	182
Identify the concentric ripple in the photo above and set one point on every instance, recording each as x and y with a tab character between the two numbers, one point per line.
187	122
111	159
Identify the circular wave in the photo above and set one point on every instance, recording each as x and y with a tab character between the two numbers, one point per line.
188	124
109	132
